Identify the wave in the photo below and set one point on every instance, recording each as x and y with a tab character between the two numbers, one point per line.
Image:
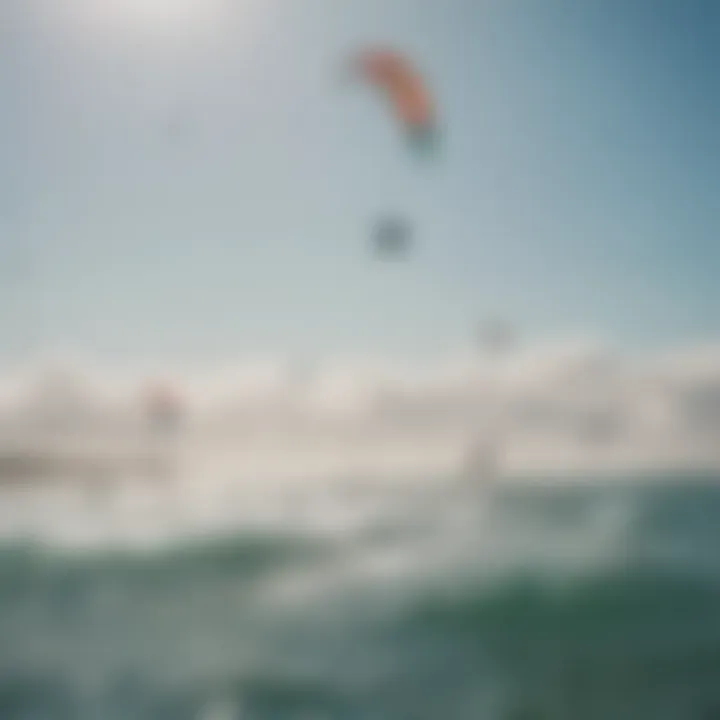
576	601
615	646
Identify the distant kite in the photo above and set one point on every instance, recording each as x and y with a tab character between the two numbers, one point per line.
496	336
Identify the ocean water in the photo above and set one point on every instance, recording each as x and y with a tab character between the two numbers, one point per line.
364	601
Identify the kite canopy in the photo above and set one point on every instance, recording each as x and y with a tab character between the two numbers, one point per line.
406	92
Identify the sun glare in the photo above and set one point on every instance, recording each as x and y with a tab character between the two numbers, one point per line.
158	16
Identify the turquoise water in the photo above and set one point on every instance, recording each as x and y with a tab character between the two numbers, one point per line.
577	601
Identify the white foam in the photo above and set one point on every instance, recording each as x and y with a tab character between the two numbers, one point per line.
259	429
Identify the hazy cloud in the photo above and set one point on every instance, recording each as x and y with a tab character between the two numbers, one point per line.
555	408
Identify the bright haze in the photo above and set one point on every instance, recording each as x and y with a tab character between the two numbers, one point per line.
193	184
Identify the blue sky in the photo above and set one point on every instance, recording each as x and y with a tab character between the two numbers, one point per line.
182	191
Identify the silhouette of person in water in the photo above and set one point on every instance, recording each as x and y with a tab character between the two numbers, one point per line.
165	420
164	411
